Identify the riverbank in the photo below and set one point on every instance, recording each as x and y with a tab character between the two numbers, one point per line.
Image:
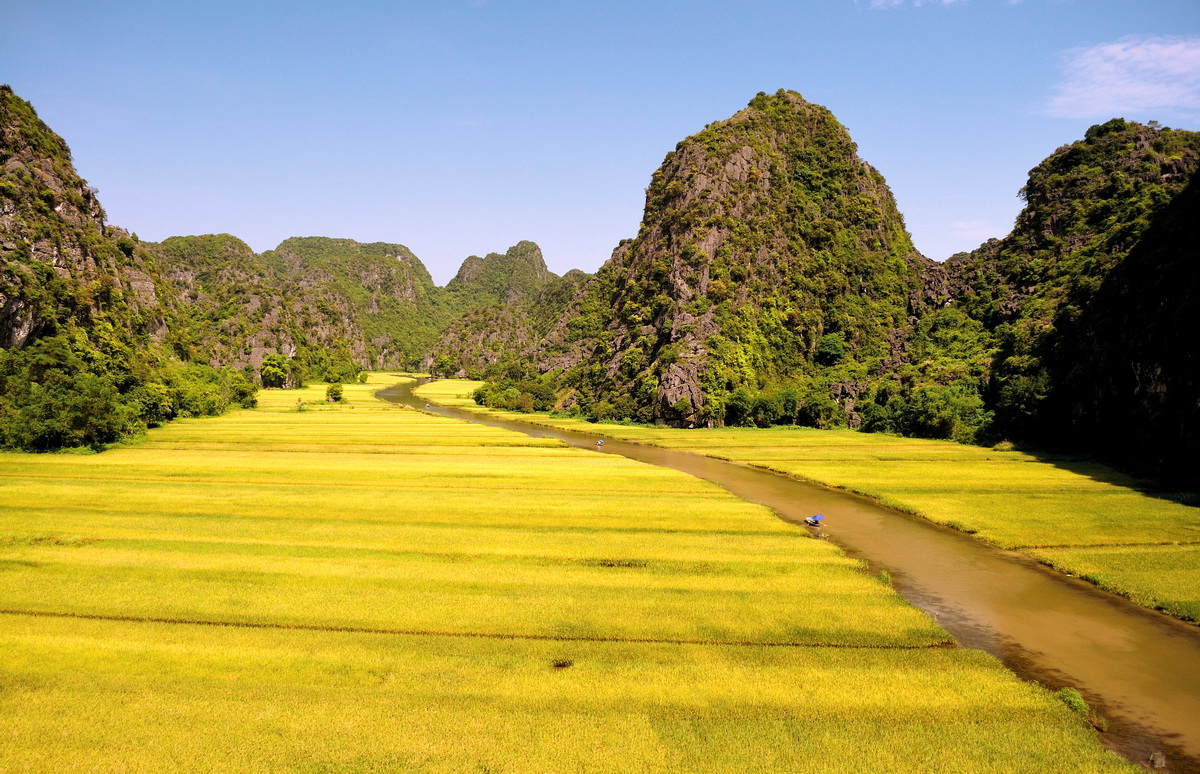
1081	518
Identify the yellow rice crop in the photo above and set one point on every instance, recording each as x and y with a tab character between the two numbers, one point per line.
1081	517
366	588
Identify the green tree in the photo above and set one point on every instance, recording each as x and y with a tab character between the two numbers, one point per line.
443	365
274	370
49	398
831	349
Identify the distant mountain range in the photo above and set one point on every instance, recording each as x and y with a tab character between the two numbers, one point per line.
772	280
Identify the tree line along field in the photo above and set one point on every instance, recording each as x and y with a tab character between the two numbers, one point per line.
361	587
1082	518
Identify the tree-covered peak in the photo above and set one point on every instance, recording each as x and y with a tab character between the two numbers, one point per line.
763	236
300	253
1086	206
505	278
22	132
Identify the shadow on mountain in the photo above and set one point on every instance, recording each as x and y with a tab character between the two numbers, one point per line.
1128	365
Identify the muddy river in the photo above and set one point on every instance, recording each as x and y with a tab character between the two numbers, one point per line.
1141	669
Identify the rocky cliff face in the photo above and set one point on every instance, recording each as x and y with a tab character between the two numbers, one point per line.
765	237
61	266
772	281
84	310
381	288
331	303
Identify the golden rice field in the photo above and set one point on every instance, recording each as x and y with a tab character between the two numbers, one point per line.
1082	518
364	588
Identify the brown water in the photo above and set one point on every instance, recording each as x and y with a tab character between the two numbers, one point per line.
1139	668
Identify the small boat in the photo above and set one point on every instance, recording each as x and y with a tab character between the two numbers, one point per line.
600	442
815	520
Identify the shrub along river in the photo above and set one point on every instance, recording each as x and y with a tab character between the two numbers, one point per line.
1138	668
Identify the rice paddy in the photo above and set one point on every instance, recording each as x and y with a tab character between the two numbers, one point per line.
1080	517
366	588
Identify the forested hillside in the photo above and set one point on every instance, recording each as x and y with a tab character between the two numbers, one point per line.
102	335
84	312
332	306
512	301
336	306
1091	300
772	281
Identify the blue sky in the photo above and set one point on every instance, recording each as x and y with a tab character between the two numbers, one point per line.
460	127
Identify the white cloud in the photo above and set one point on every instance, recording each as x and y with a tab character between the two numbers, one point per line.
885	4
1130	75
880	5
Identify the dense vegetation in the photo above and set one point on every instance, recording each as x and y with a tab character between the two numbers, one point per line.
382	289
772	282
768	276
512	302
1091	303
103	334
85	360
336	306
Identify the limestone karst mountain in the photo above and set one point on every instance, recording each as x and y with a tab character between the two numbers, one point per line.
770	259
334	305
84	313
62	265
1092	301
512	301
771	281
